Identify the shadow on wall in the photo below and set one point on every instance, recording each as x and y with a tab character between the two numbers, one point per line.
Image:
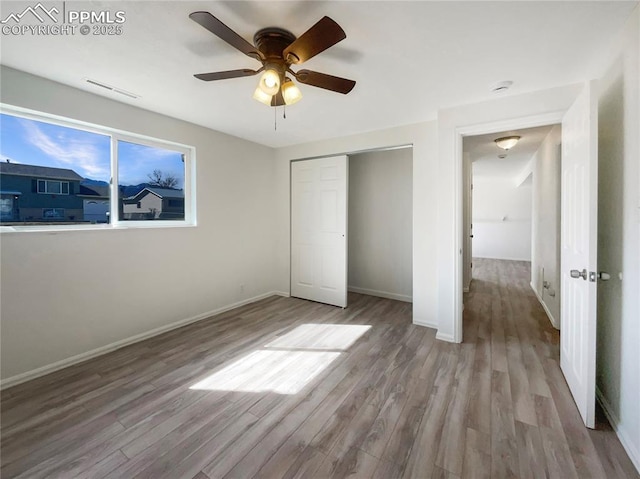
610	234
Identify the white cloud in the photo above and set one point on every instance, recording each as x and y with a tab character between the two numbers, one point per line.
78	152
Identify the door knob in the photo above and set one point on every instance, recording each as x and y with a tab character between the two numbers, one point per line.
602	276
578	274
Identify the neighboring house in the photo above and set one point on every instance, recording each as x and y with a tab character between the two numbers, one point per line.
30	193
154	203
95	203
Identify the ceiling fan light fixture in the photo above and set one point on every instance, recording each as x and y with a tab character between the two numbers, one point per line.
262	97
270	82
290	92
507	142
277	49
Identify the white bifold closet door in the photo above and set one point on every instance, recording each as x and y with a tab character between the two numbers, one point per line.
319	230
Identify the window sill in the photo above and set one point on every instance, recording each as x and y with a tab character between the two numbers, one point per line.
53	229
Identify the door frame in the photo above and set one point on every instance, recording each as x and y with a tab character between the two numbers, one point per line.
552	118
348	154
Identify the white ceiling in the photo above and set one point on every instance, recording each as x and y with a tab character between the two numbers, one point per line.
409	59
484	153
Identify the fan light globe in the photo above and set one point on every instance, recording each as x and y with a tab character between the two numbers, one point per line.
270	82
507	142
290	92
262	97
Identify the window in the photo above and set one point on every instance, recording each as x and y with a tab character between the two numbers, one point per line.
53	187
149	177
66	171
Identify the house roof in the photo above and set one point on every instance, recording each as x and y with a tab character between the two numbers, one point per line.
20	169
159	192
94	190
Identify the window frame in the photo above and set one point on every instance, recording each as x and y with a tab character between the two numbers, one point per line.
115	135
46	187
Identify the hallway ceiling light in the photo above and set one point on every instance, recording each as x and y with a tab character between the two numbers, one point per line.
507	142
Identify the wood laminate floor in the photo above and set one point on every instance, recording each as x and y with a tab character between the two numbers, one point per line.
290	388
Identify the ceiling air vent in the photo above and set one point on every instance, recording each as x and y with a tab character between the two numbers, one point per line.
112	88
501	86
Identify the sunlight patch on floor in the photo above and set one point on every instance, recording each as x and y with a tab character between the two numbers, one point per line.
321	337
282	372
287	363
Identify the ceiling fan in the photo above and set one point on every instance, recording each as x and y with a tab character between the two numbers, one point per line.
277	49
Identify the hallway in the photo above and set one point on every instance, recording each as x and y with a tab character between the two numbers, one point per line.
520	403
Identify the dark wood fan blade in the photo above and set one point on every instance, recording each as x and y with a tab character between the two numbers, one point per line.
328	82
219	29
224	75
318	38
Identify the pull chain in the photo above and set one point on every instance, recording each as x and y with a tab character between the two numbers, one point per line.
275	116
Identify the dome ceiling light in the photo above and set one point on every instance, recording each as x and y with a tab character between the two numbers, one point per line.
507	142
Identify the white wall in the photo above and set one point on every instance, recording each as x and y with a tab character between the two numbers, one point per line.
423	137
501	219
68	293
618	367
545	258
380	217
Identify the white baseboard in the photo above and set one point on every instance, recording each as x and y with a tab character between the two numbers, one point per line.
50	368
284	294
553	320
445	337
381	294
506	259
625	438
425	323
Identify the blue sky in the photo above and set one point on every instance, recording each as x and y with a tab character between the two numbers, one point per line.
38	143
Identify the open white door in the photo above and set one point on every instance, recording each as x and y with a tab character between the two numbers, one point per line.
319	230
578	250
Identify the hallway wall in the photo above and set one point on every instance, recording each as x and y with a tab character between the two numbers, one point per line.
501	219
618	368
545	256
